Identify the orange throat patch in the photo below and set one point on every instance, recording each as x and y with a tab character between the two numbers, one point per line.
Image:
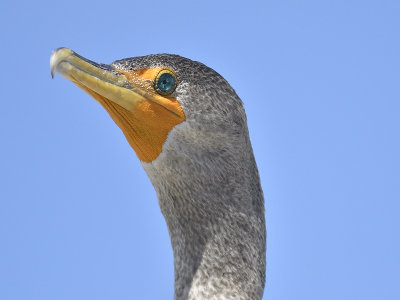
146	127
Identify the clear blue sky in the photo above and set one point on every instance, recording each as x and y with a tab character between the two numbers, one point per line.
320	81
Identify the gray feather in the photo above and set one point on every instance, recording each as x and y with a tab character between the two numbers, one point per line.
208	187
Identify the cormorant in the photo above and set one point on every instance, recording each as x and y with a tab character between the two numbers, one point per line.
188	128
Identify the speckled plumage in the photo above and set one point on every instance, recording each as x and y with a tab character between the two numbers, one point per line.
208	187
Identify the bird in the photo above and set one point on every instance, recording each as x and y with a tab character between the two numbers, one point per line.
188	128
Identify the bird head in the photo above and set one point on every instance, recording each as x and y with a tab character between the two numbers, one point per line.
149	96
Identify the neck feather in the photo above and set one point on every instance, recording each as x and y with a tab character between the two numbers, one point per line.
214	209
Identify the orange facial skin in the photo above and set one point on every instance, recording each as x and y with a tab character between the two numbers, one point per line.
147	126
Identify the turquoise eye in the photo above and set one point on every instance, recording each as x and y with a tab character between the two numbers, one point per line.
165	82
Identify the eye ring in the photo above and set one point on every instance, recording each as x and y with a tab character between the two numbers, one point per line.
165	82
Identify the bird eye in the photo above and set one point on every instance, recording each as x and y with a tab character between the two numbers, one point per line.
165	82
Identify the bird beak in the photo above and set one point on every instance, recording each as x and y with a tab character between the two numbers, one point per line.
144	116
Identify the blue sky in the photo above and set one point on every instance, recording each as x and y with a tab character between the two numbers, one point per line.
320	81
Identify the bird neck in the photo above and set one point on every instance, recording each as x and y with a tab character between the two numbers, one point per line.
214	209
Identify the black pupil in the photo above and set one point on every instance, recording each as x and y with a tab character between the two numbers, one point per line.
166	83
